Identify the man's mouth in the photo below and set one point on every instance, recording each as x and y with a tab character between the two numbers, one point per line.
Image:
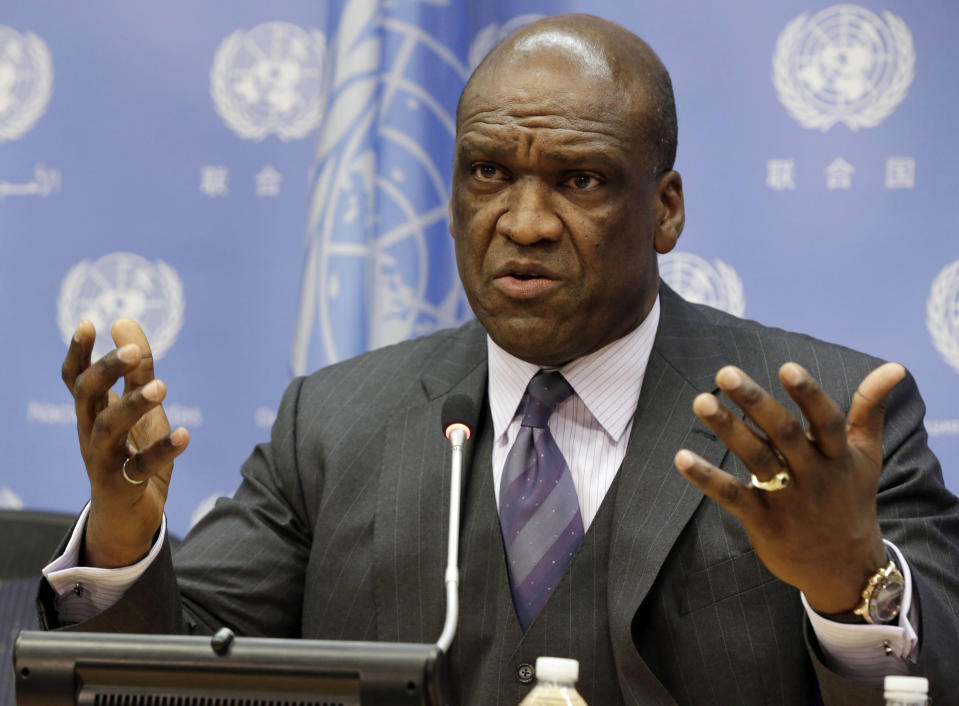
521	281
521	270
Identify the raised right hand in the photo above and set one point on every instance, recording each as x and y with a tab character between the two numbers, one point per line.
133	430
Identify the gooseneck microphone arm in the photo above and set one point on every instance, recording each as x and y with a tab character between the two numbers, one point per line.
457	412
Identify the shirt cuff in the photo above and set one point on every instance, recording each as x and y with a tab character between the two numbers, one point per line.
867	653
84	591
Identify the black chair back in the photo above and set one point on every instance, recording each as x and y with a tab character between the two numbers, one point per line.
27	542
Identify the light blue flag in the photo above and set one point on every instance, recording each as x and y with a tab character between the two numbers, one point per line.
379	262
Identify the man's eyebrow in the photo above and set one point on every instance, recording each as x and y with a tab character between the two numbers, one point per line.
575	153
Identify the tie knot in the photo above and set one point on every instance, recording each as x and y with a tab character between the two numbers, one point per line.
546	390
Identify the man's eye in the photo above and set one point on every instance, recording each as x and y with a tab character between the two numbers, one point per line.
583	182
486	172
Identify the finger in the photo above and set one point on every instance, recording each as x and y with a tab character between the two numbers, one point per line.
91	386
729	493
131	447
827	425
114	398
112	425
157	458
125	331
868	408
755	452
780	426
78	354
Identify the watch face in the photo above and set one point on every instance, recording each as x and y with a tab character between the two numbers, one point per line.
886	599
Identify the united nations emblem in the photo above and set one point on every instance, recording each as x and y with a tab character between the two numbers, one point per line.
26	81
122	285
716	285
942	313
271	79
845	64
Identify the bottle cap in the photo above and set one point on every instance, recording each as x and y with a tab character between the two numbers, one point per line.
557	669
906	685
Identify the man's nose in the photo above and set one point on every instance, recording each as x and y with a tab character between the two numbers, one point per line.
530	215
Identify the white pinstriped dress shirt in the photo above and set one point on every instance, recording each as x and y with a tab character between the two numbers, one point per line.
591	427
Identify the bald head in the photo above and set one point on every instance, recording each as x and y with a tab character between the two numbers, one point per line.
591	49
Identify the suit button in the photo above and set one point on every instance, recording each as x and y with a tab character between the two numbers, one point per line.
525	673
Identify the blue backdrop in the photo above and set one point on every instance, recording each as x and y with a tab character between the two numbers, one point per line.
264	186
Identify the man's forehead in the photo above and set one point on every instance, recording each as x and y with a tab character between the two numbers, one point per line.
581	67
593	48
546	96
560	66
553	145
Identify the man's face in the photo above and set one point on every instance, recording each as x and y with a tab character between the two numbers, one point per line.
554	212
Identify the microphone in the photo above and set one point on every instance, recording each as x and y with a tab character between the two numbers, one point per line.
457	413
457	410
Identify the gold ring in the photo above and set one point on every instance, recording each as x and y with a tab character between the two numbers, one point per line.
123	470
777	482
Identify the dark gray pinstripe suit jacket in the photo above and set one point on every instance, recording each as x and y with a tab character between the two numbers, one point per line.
337	530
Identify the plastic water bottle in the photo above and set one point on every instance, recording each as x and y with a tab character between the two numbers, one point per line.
907	691
555	683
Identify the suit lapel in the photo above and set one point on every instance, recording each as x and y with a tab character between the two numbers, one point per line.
653	501
412	508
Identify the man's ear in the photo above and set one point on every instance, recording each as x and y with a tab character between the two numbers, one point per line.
670	212
449	207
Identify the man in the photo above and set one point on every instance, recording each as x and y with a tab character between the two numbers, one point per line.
563	193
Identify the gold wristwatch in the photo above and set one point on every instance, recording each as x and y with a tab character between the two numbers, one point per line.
882	596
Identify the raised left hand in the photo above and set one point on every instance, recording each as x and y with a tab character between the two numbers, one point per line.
820	533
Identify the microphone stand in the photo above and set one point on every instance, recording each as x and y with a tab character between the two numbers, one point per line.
457	434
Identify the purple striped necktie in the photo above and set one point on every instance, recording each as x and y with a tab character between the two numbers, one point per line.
538	506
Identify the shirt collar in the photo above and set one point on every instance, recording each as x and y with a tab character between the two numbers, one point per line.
608	381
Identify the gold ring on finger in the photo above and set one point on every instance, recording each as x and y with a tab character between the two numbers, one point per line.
777	482
123	470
